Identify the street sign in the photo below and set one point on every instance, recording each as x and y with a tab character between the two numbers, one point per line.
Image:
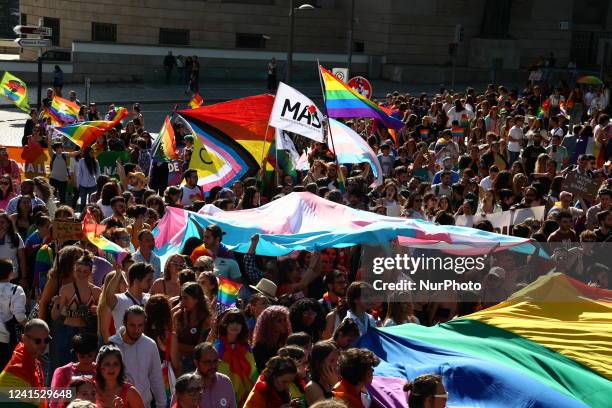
35	30
341	73
32	42
361	85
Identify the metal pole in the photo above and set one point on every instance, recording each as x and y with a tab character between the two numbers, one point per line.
290	49
453	72
39	59
350	38
603	60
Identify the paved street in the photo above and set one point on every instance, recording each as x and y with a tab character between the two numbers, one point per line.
159	100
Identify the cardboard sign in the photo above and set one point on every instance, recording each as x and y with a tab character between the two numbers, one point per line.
67	230
580	185
502	221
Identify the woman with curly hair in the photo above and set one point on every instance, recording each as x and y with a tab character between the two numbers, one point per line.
236	358
271	332
158	325
272	387
356	372
306	315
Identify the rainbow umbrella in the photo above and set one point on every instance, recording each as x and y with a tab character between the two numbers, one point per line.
590	80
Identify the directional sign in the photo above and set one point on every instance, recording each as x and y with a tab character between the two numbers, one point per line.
361	85
46	31
32	42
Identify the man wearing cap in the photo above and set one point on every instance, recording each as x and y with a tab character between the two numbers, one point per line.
191	191
225	264
493	290
447	163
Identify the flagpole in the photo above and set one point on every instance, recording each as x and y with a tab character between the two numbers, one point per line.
339	170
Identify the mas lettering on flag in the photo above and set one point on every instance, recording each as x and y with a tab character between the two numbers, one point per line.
296	113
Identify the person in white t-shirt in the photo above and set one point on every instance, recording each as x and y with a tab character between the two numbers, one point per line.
191	191
140	280
516	138
487	182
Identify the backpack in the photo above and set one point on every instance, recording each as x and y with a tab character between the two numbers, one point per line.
64	155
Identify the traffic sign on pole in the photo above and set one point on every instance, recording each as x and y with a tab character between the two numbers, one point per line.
361	85
32	42
35	30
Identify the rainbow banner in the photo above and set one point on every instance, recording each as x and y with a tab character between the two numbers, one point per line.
228	292
196	101
164	147
15	90
93	231
63	111
457	131
85	133
342	101
547	346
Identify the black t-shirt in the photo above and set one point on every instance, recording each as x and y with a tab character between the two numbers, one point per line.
530	154
601	237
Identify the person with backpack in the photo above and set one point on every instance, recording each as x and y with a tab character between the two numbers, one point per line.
12	311
60	170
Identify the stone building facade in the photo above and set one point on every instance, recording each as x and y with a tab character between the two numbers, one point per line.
389	35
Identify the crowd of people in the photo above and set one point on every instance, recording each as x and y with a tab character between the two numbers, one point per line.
139	333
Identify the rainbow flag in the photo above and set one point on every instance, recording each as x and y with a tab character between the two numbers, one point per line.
424	133
93	232
543	109
64	111
120	113
228	292
238	363
548	345
15	90
164	147
457	131
196	101
22	372
85	133
343	102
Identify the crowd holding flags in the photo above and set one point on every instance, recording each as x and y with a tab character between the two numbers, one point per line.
232	138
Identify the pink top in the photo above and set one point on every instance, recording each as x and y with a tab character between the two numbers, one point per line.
62	378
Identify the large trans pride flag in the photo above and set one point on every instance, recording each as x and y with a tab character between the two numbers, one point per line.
549	345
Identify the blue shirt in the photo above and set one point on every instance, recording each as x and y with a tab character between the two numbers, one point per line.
154	261
454	177
11	207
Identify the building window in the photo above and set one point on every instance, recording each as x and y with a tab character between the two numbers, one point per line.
244	40
23	19
54	24
358	46
173	36
104	32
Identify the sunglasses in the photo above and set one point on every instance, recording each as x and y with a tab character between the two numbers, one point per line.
38	341
200	268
